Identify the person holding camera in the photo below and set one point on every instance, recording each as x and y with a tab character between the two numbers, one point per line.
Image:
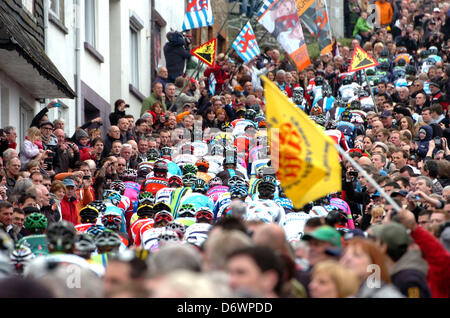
176	53
67	153
181	91
119	111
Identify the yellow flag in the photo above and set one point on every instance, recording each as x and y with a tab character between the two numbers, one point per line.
306	160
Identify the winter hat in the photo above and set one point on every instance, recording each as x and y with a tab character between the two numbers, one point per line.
80	133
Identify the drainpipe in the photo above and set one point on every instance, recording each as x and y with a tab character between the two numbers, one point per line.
77	64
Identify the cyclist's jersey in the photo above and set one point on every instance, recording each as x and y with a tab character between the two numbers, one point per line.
39	266
253	186
200	149
215	163
36	243
197	233
285	203
132	192
349	131
348	91
437	58
150	238
267	210
326	103
294	224
335	113
198	200
222	203
101	259
341	204
164	195
136	226
154	184
215	192
173	168
338	138
177	198
83	227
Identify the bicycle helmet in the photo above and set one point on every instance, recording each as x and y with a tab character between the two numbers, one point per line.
108	238
200	185
61	236
204	215
237	181
160	169
320	120
166	152
129	175
189	179
177	227
347	80
153	155
162	218
346	115
95	230
202	163
99	205
112	196
259	210
250	114
355	104
217	150
85	243
238	192
384	53
175	181
331	124
89	214
168	235
187	210
316	110
118	186
189	168
35	222
318	80
162	206
267	183
214	182
433	50
112	221
142	173
145	211
20	257
146	198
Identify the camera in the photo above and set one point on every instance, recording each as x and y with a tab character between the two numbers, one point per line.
86	177
354	174
438	143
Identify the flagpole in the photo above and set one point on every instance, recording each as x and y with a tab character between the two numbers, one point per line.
368	178
370	90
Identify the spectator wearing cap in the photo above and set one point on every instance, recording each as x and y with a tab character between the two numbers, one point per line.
407	268
69	203
81	139
47	138
387	119
324	244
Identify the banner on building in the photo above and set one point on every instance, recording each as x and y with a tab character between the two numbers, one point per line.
281	20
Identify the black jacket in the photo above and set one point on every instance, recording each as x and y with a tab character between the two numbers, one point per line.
176	57
114	117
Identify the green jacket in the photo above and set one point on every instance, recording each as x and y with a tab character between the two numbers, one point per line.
149	101
361	25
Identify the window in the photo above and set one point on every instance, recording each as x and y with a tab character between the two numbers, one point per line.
134	58
89	23
136	25
57	9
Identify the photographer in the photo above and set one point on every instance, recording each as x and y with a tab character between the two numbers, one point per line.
119	111
67	153
182	87
176	53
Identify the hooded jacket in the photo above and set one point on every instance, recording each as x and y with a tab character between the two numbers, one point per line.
422	148
409	275
176	56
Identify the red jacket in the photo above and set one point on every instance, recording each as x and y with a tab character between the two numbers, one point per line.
438	260
69	211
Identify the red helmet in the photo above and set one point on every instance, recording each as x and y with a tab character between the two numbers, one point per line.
202	162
